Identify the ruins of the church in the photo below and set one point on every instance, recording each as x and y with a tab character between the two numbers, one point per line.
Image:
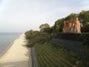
72	26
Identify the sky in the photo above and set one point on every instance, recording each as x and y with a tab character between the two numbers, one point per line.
23	15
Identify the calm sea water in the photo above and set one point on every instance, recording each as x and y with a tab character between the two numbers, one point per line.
6	40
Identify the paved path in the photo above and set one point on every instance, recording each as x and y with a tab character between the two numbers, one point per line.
34	58
17	55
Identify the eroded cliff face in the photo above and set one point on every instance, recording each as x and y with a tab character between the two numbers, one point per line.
72	26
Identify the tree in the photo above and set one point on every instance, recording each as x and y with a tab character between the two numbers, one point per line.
84	17
44	26
71	16
85	28
30	34
58	25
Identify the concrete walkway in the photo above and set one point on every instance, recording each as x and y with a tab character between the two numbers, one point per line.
17	55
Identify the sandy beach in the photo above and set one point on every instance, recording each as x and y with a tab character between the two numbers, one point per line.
17	55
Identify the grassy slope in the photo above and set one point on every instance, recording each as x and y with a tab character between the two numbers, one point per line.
53	56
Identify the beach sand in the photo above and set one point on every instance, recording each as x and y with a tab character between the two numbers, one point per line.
17	55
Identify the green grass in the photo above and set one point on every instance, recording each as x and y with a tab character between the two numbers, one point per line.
49	55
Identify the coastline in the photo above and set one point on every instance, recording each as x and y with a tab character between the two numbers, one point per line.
9	46
16	54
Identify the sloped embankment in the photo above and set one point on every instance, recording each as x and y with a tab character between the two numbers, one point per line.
73	42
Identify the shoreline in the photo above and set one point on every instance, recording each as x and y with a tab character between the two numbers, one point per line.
9	46
16	54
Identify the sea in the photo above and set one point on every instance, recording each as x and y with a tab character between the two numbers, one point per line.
6	40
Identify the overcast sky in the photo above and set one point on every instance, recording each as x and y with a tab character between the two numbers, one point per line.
22	15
